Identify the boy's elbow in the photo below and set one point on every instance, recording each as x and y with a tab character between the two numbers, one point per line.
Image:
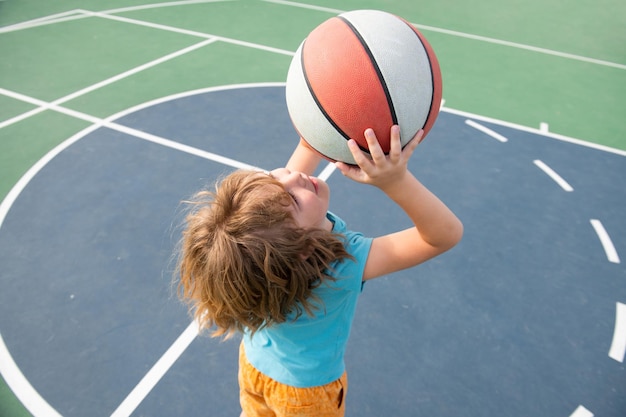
454	235
457	233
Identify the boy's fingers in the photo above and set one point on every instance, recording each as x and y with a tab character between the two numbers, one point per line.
344	168
357	154
417	138
374	147
410	147
395	147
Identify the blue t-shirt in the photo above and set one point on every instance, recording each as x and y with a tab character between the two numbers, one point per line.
309	351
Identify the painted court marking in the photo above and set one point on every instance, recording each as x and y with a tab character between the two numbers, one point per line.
190	32
552	174
20	386
618	346
327	171
132	132
159	5
486	131
154	375
46	106
581	412
605	240
41	21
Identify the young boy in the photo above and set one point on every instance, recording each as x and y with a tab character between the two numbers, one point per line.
262	256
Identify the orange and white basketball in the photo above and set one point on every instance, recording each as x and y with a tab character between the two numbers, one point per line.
360	69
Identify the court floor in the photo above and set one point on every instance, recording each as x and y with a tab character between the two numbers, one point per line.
109	118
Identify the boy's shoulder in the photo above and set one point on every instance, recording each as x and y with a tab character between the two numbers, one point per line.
355	242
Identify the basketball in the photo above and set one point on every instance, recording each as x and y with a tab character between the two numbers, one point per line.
360	69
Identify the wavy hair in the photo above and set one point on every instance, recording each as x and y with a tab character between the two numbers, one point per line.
243	261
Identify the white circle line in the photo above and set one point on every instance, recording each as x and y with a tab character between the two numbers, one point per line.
618	344
554	175
605	240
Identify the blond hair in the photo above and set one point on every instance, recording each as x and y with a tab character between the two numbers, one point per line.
243	261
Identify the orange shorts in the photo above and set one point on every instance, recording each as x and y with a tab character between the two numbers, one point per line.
261	396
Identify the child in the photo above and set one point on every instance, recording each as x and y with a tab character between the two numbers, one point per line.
262	256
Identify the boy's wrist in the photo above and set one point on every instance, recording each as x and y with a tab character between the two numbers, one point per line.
398	185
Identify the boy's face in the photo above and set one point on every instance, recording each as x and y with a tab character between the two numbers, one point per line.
311	196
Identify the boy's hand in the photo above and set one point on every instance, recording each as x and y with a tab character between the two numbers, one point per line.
381	170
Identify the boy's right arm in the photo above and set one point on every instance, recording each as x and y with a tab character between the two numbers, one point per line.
436	229
304	159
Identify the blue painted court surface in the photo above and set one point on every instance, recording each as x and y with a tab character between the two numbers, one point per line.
520	319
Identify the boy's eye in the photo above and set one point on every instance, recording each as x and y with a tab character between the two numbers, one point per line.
295	200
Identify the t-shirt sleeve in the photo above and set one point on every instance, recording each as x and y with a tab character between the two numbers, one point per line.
352	270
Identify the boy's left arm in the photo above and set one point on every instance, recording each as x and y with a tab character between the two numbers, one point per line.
304	159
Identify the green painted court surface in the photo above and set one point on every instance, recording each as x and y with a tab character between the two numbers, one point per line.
555	65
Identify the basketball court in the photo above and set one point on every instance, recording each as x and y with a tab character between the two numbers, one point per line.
114	116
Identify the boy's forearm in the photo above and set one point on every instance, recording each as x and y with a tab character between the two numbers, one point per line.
435	222
304	159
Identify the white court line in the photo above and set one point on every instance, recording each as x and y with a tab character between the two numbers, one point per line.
45	23
190	32
306	6
180	147
486	130
552	174
148	24
17	188
132	132
581	412
154	375
473	37
135	70
536	131
67	16
605	239
106	82
618	345
22	389
327	171
22	116
45	20
159	5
